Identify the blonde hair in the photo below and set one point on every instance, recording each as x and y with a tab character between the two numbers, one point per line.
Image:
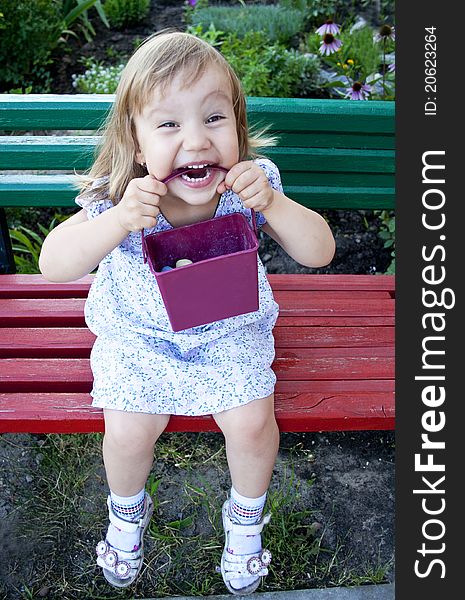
154	65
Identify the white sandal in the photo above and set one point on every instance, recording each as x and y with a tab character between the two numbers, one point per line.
120	568
237	566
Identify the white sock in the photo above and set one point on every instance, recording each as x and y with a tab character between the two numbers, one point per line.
245	511
129	508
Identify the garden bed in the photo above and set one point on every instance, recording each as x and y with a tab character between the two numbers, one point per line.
359	245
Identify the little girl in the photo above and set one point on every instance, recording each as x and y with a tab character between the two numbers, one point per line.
179	104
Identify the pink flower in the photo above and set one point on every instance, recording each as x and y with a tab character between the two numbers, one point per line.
329	44
358	91
386	32
328	27
192	2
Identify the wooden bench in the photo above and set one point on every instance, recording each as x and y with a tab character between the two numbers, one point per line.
335	333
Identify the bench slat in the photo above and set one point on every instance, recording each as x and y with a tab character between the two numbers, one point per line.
88	111
32	374
61	190
72	413
35	286
42	312
67	152
336	139
286	321
36	293
67	342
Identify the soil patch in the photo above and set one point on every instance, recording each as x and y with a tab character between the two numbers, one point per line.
342	485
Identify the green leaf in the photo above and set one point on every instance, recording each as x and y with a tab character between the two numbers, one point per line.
74	14
181	523
21	249
334	84
101	12
20	237
35	236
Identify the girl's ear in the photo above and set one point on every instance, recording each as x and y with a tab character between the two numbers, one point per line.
140	157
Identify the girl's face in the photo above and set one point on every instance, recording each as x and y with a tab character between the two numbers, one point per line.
190	126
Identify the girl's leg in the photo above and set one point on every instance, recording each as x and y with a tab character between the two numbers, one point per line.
128	448
252	443
128	456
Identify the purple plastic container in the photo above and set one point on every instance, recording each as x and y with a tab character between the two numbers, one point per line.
222	280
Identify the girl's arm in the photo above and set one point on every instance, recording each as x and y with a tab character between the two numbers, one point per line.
301	232
76	247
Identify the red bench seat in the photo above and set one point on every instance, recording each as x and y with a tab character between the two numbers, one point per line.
334	355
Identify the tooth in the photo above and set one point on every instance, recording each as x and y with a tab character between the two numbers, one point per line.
202	166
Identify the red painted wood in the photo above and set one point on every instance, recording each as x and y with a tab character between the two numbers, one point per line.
77	320
52	374
24	312
307	304
334	363
291	388
332	294
335	321
332	282
333	337
35	286
51	342
70	311
76	342
72	413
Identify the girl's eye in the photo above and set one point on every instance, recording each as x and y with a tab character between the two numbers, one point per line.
214	118
168	124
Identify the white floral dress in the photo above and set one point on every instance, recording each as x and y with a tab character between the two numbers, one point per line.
140	365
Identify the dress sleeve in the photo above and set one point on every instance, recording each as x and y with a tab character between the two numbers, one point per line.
272	172
95	200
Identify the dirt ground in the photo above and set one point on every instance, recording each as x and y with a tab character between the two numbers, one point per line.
345	479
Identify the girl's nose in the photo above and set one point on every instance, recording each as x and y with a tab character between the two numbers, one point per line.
195	139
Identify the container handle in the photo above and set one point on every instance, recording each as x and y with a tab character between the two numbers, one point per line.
144	245
254	222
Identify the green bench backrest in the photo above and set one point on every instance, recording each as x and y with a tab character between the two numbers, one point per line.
331	153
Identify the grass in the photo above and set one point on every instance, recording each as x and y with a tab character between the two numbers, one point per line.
64	515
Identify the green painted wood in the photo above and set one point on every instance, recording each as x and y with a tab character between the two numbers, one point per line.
331	153
70	152
329	160
300	114
47	152
338	179
53	111
60	190
38	190
88	111
332	139
347	180
342	198
313	139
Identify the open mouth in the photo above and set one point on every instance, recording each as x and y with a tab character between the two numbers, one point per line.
194	173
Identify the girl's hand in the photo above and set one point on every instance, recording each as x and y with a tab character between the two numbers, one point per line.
139	207
250	183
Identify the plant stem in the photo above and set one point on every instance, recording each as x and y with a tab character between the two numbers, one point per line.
384	67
